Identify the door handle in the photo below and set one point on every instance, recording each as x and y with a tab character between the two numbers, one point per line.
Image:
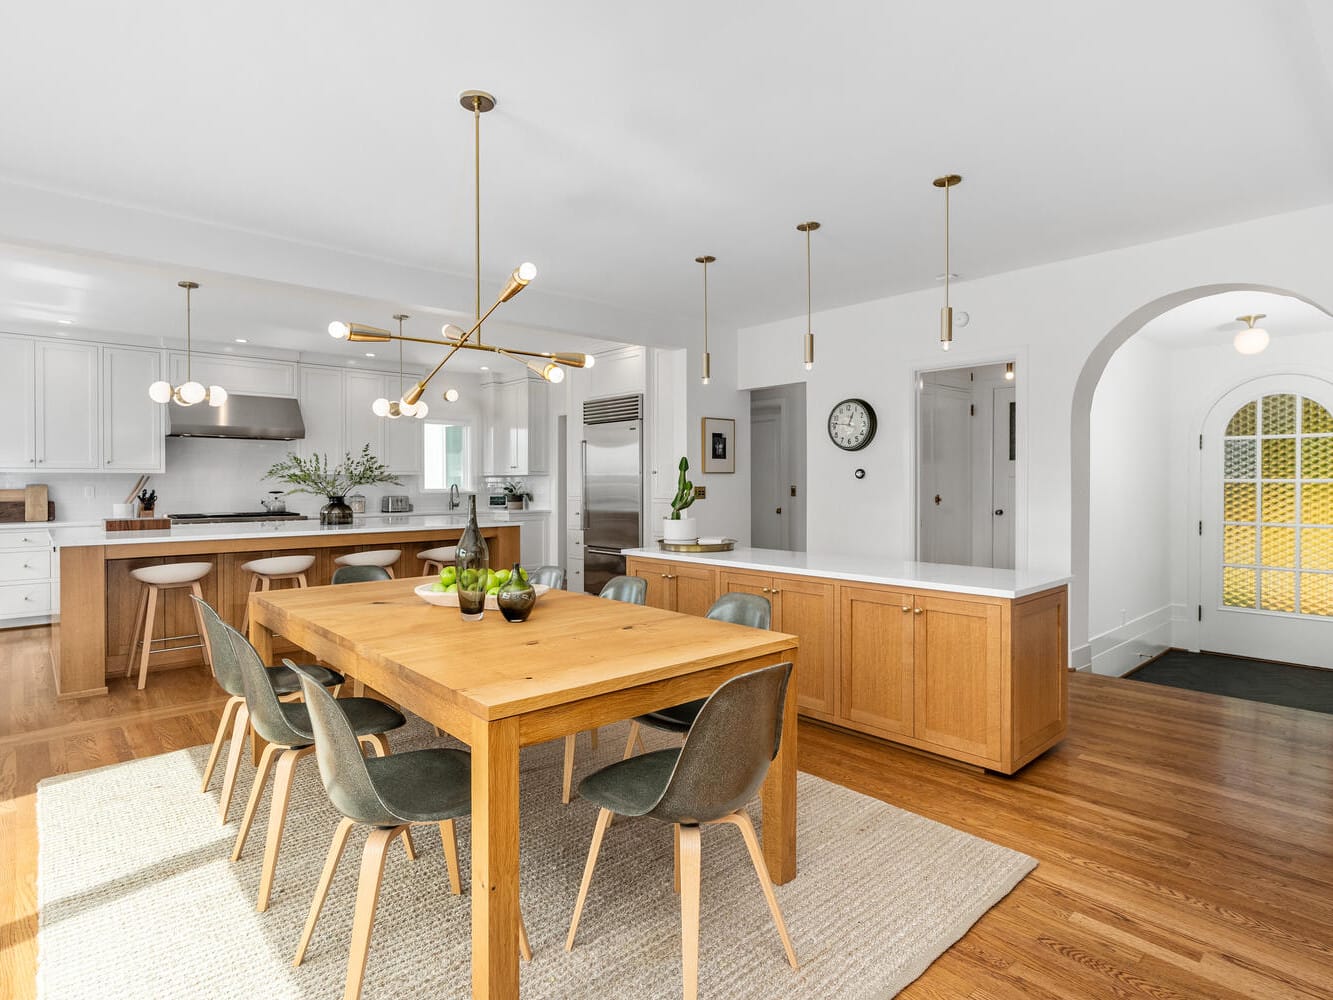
999	512
778	511
937	499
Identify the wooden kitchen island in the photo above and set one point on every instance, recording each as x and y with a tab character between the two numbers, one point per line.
91	635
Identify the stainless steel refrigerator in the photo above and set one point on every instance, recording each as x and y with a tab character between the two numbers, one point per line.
612	486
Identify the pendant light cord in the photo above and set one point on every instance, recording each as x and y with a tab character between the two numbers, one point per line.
946	244
188	350
476	202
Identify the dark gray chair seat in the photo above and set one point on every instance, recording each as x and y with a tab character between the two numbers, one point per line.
676	719
286	682
366	715
423	786
719	768
360	574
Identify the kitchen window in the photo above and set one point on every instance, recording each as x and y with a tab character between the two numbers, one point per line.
448	459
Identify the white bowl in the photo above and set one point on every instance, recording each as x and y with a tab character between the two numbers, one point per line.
451	600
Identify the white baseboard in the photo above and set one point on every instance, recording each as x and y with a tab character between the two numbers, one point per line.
1080	658
1120	650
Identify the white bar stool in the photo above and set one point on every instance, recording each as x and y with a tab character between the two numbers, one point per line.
383	558
168	576
437	558
266	571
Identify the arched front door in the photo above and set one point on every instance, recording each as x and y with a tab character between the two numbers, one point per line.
1267	521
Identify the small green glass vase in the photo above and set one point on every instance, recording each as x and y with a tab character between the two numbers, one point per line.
516	597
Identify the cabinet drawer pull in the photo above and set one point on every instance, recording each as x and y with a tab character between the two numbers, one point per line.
906	609
665	577
775	591
917	610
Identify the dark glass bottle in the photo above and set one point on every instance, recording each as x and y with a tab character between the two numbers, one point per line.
516	597
473	559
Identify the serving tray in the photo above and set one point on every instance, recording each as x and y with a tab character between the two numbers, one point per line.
726	545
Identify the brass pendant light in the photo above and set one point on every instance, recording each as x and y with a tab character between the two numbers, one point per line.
188	392
808	228
946	314
478	102
706	375
395	408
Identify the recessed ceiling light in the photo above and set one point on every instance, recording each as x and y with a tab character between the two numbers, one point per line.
64	322
485	368
370	354
242	340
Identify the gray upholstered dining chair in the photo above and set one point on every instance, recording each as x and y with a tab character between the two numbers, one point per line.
286	727
631	590
739	609
389	794
227	672
360	574
550	576
708	780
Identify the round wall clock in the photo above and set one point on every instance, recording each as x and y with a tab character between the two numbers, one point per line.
851	424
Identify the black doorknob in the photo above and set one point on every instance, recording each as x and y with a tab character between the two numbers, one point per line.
999	513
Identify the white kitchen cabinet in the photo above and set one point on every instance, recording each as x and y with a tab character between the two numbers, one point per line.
533	534
403	443
518	428
132	424
322	407
247	376
68	406
25	574
18	403
666	422
360	425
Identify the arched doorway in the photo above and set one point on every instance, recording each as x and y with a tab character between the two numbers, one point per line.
1080	436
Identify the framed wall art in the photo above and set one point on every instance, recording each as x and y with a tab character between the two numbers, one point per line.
718	448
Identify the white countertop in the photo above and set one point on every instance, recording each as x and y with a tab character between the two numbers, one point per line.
363	524
860	568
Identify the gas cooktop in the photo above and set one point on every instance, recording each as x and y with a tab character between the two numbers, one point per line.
240	515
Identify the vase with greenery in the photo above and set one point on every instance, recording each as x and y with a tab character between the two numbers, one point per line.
516	494
315	475
678	527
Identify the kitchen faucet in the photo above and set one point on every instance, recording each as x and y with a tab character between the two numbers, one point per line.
454	500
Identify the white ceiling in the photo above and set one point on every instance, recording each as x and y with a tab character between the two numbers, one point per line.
1212	320
630	138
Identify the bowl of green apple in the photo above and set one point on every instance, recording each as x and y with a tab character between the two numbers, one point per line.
443	592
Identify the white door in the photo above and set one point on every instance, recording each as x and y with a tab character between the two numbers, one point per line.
1267	522
1004	443
132	424
68	407
945	501
18	403
768	475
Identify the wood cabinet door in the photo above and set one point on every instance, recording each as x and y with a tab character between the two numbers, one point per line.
735	582
696	588
661	589
959	665
810	610
877	660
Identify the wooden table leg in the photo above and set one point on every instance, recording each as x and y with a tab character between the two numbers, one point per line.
779	799
495	859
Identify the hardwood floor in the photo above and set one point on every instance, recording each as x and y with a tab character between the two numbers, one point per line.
1185	840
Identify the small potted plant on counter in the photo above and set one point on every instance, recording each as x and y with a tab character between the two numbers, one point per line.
677	528
516	494
315	476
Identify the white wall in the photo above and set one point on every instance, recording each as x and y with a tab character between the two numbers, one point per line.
1060	322
1133	451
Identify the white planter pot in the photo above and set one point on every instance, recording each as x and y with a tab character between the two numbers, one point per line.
682	530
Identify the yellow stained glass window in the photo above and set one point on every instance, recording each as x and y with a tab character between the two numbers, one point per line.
1315	419
1238	544
1277	500
1238	587
1280	414
1279	458
1277	590
1316	594
1316	458
1243	422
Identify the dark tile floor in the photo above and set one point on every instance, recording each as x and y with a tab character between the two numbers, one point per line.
1254	680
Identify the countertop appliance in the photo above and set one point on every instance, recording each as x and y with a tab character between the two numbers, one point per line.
612	486
396	503
234	516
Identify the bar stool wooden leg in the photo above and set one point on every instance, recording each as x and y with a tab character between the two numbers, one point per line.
199	620
148	622
245	618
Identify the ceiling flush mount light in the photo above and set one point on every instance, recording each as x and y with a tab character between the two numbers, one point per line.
706	375
946	314
1253	339
808	228
456	339
188	392
395	408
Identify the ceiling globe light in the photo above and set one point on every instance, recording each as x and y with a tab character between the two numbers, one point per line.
339	330
191	393
553	373
421	410
380	407
451	332
1253	339
160	392
451	395
589	360
216	395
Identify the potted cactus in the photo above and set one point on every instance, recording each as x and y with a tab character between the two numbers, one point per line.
678	528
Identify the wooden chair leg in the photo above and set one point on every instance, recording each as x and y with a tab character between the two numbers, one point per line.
378	742
367	894
524	948
675	836
277	818
689	910
741	820
322	890
198	592
224	724
389	570
567	786
409	847
148	622
449	838
301	580
234	752
634	738
256	792
603	821
140	609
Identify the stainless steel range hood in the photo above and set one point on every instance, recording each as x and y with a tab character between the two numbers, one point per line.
256	418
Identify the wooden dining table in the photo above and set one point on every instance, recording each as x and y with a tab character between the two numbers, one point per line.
578	662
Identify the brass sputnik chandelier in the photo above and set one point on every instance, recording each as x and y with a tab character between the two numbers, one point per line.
549	365
946	314
188	392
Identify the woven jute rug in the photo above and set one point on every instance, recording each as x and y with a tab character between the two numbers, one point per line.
138	899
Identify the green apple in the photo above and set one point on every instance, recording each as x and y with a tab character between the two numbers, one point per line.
437	588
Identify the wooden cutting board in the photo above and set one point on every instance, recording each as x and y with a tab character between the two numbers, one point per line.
28	504
138	524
